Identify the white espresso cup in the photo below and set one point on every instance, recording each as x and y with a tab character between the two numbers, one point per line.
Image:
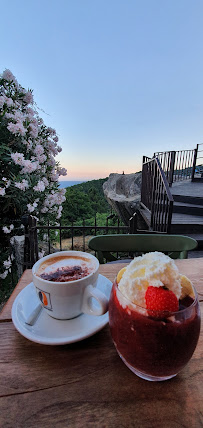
63	299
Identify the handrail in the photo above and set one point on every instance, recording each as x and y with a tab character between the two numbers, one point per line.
156	195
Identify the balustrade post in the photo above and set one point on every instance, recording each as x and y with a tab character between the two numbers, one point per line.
31	241
25	221
95	224
171	170
83	233
72	235
194	162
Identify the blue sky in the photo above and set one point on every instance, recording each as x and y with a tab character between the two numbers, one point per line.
117	79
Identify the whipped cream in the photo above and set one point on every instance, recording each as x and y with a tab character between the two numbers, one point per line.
154	269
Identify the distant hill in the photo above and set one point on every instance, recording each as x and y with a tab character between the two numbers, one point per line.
92	184
84	200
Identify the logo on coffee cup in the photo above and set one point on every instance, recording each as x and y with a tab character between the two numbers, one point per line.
45	298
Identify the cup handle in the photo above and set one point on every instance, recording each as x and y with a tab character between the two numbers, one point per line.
87	306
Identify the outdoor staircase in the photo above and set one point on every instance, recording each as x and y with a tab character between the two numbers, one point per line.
186	201
187	217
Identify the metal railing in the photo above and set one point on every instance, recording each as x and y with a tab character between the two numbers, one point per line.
32	231
156	196
177	165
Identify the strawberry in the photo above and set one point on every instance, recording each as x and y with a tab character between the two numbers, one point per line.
160	299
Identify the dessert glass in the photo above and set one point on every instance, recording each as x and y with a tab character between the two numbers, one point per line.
154	346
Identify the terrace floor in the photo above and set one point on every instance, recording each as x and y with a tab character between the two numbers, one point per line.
187	188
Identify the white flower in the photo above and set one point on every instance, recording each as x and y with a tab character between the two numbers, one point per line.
7	263
51	161
22	185
39	150
54	177
30	208
9	115
29	166
44	210
51	131
2	101
33	130
16	128
40	187
8	229
18	116
9	101
59	212
34	121
41	254
42	158
62	171
4	275
18	158
30	112
7	75
7	183
29	144
28	98
2	191
45	181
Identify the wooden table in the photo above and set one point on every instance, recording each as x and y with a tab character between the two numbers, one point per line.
86	384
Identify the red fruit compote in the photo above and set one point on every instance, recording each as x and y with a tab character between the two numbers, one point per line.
155	345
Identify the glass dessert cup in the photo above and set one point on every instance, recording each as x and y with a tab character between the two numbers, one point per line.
155	346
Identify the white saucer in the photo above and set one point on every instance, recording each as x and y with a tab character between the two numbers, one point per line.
49	331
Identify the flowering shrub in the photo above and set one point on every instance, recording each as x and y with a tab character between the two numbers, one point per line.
28	170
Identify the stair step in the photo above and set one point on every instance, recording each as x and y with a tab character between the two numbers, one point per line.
194	200
186	219
186	208
183	228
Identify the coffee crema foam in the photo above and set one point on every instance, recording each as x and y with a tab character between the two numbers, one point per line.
65	268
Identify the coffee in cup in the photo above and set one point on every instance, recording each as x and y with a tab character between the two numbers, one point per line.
63	268
66	284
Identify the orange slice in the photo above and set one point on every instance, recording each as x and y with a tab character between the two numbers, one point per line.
187	288
120	274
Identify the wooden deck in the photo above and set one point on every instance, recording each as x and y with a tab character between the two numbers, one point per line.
187	188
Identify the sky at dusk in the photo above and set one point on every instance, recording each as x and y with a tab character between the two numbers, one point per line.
117	79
